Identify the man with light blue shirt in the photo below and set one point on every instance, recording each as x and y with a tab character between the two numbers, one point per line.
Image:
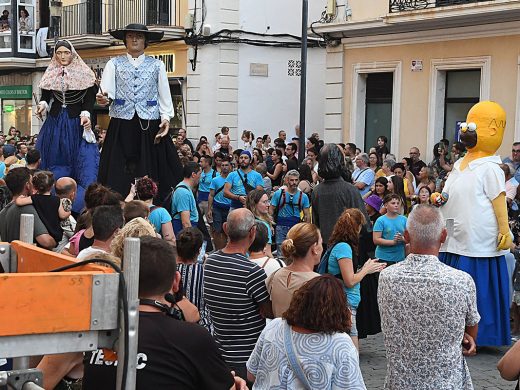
363	177
208	174
515	160
287	204
218	205
184	208
242	181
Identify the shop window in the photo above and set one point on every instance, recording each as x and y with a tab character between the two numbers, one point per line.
26	28
17	113
462	92
177	121
378	113
6	25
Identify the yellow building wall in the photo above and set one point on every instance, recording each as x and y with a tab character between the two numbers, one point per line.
179	48
362	12
415	86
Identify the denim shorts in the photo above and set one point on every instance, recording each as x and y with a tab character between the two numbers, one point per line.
219	217
353	330
281	233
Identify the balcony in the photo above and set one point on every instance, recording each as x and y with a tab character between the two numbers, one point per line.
87	24
413	5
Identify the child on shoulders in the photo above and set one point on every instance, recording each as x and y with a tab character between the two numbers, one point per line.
50	208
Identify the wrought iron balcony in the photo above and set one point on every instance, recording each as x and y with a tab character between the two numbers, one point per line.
414	5
96	17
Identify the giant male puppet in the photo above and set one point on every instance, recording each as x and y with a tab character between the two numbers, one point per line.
474	198
137	143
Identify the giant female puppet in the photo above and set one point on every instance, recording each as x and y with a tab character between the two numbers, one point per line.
66	141
137	142
474	198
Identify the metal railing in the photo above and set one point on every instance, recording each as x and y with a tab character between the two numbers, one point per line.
80	19
413	5
98	16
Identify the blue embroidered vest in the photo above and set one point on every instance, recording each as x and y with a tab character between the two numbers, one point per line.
136	89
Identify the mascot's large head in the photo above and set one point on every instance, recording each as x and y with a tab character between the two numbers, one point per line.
484	128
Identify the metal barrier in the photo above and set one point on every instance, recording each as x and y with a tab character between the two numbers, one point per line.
71	311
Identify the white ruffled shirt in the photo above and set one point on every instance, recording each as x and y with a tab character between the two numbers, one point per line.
108	85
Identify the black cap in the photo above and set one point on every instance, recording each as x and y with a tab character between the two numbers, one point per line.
136	27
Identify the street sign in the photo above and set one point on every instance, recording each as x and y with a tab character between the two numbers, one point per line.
16	92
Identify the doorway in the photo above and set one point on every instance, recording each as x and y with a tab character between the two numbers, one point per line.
378	108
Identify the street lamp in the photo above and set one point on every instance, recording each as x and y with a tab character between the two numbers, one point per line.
303	80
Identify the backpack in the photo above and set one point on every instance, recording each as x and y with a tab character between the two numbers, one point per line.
167	202
323	267
282	201
247	187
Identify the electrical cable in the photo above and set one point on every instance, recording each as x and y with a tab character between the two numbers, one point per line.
123	298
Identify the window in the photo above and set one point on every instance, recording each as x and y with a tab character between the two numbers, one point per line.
177	121
462	92
17	113
6	25
26	28
378	119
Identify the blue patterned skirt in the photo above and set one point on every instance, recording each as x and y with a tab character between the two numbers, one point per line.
493	299
64	152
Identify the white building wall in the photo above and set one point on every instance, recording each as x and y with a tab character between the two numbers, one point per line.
221	91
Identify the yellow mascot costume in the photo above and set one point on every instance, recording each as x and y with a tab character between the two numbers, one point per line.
474	198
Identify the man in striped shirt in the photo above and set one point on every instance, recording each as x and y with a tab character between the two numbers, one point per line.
235	292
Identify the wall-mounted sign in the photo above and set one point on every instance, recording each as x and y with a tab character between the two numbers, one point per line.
417	66
260	70
169	62
16	92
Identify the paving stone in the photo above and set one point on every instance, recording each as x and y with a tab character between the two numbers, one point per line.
482	367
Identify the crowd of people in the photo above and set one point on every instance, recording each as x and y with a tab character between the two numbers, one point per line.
284	267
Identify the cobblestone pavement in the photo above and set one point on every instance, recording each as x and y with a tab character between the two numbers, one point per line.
483	370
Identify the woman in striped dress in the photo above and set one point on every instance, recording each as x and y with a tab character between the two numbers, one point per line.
189	242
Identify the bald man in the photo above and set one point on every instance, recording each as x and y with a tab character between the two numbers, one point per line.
66	189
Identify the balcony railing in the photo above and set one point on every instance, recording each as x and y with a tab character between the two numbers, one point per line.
96	17
80	19
413	5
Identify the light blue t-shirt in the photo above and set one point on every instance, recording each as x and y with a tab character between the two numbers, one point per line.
216	184
2	169
290	209
205	180
183	200
365	175
269	230
158	216
389	228
343	250
254	179
516	165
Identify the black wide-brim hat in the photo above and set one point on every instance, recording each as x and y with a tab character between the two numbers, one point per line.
136	27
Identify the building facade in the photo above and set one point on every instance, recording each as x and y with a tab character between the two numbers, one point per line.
252	86
25	48
410	70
